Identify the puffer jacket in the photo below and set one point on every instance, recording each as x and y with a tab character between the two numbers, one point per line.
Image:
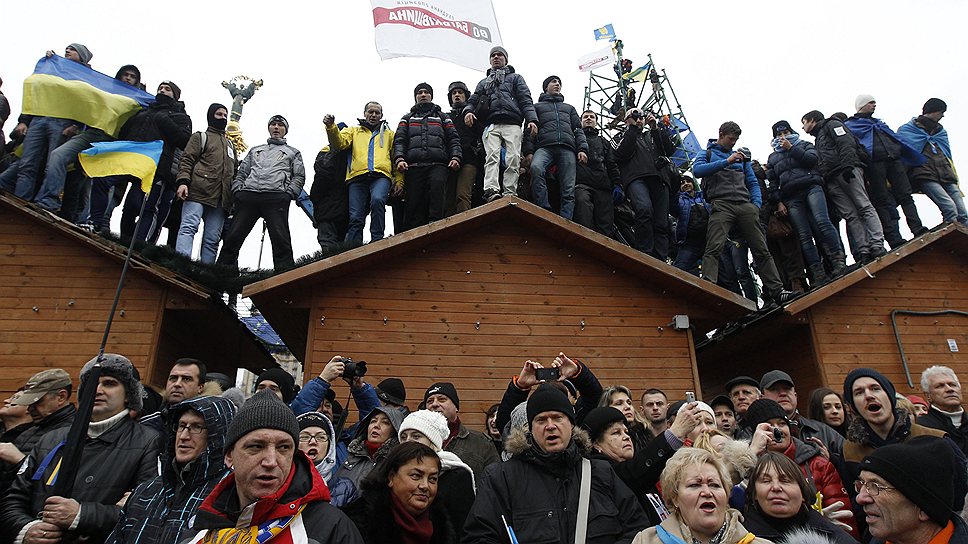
637	153
824	476
426	136
794	170
601	171
836	148
736	533
321	522
358	463
558	123
537	493
163	120
60	419
371	149
159	510
112	464
723	181
274	167
509	98
686	202
209	172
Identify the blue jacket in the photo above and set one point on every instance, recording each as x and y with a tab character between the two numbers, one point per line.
794	170
686	203
702	168
311	396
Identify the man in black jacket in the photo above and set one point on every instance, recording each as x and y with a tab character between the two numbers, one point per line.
559	137
640	157
461	185
425	145
943	389
501	102
843	175
118	455
598	181
536	492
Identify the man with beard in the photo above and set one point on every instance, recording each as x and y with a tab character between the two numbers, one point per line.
460	188
425	146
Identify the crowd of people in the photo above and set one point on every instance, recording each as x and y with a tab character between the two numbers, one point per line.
496	141
558	460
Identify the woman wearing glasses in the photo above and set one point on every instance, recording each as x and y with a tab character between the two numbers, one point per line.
316	441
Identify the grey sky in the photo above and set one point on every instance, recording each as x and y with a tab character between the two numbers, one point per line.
752	62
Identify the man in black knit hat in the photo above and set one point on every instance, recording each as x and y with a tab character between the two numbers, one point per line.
537	490
473	447
279	382
461	186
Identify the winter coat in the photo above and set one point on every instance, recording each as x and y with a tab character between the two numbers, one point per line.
322	522
456	489
474	449
641	472
273	167
426	136
209	172
358	463
601	171
26	441
684	210
112	464
537	493
163	120
811	428
588	387
822	474
881	143
508	98
329	193
558	124
736	533
370	149
638	151
936	420
931	139
794	171
472	148
960	535
836	148
723	181
159	509
372	514
808	518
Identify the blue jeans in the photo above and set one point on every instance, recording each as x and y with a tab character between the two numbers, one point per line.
49	194
948	199
192	214
543	158
688	258
650	200
371	195
43	136
811	206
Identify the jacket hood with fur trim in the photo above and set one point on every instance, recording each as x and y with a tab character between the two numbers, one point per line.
519	441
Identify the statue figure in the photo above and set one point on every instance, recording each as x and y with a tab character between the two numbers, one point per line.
242	88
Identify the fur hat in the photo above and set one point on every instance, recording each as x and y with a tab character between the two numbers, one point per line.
862	100
283	379
934	105
922	469
430	424
549	398
120	368
263	410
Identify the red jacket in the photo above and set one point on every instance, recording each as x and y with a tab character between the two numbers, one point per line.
824	477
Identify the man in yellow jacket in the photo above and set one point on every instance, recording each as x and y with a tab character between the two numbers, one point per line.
369	172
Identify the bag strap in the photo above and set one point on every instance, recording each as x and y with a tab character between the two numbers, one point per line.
585	491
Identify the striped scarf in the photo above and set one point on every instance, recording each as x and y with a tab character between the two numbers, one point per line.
284	530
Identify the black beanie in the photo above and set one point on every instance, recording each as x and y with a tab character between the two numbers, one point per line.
922	469
934	105
599	419
886	385
423	86
281	119
446	389
457	85
547	80
314	419
780	126
210	116
175	89
392	390
263	410
761	411
283	379
549	398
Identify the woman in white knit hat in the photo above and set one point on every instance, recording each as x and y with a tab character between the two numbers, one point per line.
456	483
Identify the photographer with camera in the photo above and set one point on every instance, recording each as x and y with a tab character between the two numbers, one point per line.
312	395
643	158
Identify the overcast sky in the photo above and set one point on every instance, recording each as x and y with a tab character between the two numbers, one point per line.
751	62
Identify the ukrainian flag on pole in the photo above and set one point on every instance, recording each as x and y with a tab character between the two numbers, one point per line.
138	159
69	90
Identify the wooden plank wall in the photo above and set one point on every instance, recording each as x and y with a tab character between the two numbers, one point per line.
529	294
72	288
853	328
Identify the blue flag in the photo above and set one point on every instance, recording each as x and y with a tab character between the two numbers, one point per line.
606	32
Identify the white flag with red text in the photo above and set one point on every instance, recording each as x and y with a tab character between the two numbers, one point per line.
458	31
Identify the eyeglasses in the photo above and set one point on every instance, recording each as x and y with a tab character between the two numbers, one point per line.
193	428
873	489
318	437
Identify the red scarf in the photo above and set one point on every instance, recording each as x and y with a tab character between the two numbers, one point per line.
454	430
371	448
413	530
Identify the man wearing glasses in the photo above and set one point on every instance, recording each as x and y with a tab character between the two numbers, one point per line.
191	465
907	494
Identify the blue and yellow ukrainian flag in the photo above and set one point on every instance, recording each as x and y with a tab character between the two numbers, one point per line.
138	159
69	90
607	32
644	69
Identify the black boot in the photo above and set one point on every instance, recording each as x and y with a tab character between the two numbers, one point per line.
818	276
838	264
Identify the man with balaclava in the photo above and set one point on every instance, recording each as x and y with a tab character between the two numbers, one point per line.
270	177
425	146
205	176
460	187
